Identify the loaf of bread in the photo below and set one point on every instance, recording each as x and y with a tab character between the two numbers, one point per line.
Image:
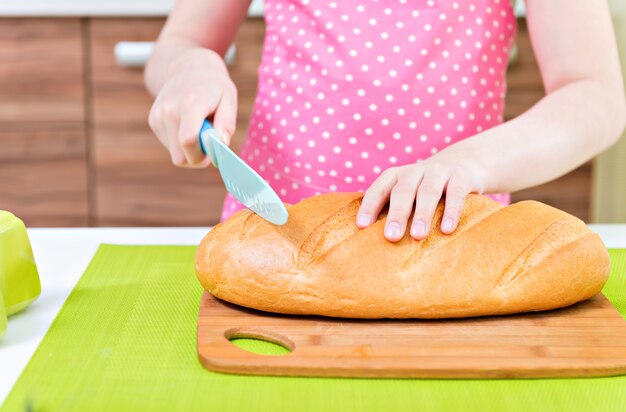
500	260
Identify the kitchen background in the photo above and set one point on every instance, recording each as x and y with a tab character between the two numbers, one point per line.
76	149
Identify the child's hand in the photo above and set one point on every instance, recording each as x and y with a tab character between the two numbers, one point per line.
421	184
199	87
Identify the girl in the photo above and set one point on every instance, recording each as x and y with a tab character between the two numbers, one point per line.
400	98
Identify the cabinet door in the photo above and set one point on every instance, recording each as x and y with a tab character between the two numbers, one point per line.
136	183
571	192
43	170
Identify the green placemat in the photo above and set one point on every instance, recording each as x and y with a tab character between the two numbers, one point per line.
125	340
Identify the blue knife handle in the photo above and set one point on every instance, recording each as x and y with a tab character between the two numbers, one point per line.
206	133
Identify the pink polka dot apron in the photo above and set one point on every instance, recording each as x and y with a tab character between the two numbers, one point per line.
350	88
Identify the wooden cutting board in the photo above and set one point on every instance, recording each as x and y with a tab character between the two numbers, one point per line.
587	339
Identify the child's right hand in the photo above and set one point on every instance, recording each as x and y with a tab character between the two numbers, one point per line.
199	87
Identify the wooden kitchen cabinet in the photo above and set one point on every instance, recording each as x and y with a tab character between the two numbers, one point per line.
77	149
136	183
43	165
571	192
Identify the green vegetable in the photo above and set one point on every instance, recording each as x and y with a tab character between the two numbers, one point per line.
19	279
3	318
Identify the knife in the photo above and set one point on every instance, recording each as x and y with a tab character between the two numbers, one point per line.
240	179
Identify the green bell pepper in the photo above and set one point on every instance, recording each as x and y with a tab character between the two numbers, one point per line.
19	279
3	317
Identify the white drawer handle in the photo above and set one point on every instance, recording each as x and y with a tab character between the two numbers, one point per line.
137	53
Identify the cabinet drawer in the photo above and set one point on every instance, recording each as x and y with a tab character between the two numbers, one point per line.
136	182
43	172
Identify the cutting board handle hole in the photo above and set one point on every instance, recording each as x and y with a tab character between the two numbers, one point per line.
259	341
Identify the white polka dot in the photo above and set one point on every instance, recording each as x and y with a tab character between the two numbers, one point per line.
423	138
348	164
393	159
336	150
321	158
365	155
380	145
376	169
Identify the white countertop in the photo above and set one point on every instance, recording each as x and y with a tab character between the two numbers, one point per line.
62	256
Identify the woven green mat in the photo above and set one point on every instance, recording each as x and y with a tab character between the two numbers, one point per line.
125	340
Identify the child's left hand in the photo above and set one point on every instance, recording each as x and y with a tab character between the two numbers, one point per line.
422	185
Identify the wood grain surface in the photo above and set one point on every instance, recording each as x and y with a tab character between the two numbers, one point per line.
136	182
77	149
587	339
43	160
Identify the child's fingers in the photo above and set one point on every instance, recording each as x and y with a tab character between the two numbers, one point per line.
428	196
225	116
376	197
157	124
456	192
176	153
191	120
401	203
